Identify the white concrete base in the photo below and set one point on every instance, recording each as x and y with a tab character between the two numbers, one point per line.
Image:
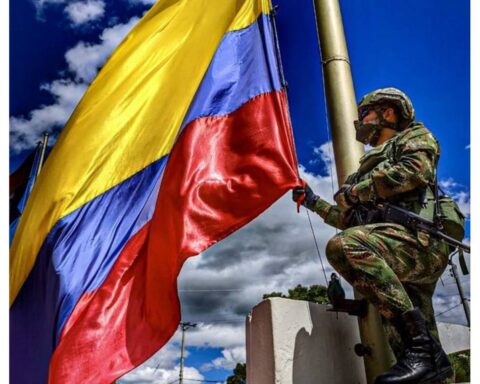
454	337
297	342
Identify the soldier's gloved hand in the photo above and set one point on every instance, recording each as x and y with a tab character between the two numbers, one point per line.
310	197
345	197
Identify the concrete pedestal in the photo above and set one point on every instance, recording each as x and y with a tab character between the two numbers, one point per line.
454	337
297	342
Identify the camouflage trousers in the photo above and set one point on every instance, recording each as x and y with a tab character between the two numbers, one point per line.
393	268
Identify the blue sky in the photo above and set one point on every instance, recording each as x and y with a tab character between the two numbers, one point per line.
421	47
425	53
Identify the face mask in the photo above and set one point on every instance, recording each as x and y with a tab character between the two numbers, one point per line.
367	133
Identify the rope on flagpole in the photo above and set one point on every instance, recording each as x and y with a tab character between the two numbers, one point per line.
285	86
318	249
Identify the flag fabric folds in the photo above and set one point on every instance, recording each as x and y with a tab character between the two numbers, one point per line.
182	138
21	183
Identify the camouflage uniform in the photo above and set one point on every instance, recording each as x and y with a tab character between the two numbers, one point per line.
393	267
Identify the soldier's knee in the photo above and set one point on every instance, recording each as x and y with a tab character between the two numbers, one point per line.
344	248
334	251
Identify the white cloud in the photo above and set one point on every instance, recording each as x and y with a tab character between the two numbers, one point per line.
79	12
162	367
85	59
151	375
326	156
448	183
216	335
83	62
26	131
82	12
166	358
229	359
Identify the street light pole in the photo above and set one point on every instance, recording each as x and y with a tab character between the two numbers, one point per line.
454	272
184	326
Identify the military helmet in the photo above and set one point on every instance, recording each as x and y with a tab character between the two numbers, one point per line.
390	96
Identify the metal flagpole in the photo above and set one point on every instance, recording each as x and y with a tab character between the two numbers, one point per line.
42	154
342	111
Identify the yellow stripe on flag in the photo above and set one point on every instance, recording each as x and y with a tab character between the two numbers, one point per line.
129	116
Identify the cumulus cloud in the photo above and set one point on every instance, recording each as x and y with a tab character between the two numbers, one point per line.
79	12
82	12
151	375
229	359
83	61
216	334
448	183
26	131
162	367
230	337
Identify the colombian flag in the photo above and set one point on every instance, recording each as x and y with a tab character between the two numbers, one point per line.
182	138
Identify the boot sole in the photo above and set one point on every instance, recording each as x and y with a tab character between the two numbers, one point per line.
437	377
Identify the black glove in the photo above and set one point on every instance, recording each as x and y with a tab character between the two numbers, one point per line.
344	197
310	198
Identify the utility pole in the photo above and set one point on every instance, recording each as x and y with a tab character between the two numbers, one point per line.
342	111
454	271
184	327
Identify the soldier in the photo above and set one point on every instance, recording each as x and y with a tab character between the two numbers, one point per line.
393	267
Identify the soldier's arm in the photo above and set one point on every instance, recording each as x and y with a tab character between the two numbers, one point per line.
415	167
331	214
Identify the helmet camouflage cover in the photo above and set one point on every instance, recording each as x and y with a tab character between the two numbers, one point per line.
390	96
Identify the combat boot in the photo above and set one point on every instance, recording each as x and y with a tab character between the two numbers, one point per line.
423	360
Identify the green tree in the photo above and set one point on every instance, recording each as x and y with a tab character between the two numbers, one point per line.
461	365
239	374
314	293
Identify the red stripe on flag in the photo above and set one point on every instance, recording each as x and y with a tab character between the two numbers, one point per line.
222	173
112	330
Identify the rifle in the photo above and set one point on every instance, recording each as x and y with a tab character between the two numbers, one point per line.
393	214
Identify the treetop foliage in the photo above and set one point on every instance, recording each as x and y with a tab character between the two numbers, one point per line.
314	293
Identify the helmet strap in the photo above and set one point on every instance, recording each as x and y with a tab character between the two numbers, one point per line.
374	138
384	123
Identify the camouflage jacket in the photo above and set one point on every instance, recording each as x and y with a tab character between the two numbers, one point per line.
398	171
